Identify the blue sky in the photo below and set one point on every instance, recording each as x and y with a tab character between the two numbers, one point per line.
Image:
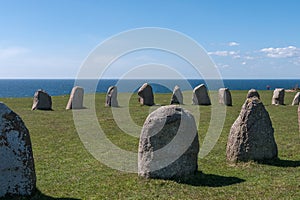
245	39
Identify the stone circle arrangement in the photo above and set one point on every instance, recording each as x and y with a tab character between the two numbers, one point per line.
168	145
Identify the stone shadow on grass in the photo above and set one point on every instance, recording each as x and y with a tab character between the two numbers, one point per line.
210	180
38	195
280	163
83	108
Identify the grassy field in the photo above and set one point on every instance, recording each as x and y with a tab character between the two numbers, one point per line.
66	170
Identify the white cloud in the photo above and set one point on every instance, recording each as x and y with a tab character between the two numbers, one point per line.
222	66
296	61
244	63
285	52
233	54
225	66
218	53
249	57
231	44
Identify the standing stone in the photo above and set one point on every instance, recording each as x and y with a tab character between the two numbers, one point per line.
111	97
41	101
146	95
200	95
169	146
252	135
17	173
299	116
177	97
296	99
225	97
253	93
278	96
76	98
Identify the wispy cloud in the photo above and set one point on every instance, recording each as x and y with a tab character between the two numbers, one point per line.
285	52
271	62
231	44
218	53
249	57
222	66
234	54
296	62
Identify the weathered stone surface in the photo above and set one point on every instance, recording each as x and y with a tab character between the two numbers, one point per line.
177	97
296	99
169	146
200	96
299	116
146	96
17	173
253	93
225	97
111	97
41	101
76	98
278	96
252	135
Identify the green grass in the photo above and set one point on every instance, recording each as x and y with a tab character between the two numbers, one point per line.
65	169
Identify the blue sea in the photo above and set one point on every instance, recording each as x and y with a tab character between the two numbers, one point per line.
56	87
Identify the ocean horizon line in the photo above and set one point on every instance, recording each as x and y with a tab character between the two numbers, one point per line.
107	78
57	87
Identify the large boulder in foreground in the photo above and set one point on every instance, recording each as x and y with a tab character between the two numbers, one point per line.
278	96
146	96
200	96
296	99
177	97
111	97
17	173
225	97
41	101
169	146
76	98
252	135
